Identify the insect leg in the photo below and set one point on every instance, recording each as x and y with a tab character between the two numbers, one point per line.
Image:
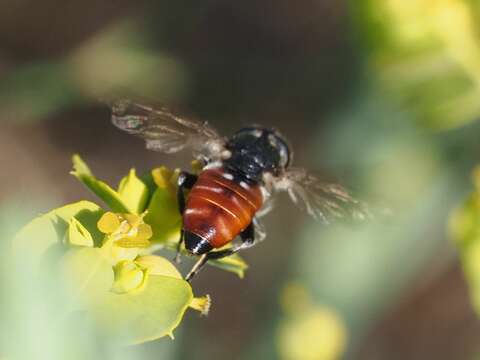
197	267
185	181
248	236
248	240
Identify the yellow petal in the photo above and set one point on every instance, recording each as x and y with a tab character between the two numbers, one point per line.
132	242
162	176
132	219
108	223
144	232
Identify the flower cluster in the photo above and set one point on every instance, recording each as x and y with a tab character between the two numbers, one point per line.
107	260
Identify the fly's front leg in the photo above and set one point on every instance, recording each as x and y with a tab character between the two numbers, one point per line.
248	240
185	182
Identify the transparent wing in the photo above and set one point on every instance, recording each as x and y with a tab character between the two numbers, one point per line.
165	131
323	201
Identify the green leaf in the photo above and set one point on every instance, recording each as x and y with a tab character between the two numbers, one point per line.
101	189
48	230
158	265
163	215
133	192
87	275
149	182
233	263
148	314
78	234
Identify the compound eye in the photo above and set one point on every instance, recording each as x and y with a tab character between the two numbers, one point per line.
282	148
250	132
284	152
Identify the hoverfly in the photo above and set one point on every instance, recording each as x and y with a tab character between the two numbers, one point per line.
239	179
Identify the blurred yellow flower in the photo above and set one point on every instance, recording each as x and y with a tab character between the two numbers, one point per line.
428	53
310	331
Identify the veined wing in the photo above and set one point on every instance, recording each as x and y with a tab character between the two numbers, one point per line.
323	201
166	131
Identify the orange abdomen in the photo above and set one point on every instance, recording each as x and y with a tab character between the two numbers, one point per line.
219	208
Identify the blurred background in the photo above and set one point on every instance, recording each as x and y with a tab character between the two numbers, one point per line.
379	95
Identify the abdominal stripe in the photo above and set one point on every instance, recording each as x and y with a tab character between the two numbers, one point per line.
220	206
229	187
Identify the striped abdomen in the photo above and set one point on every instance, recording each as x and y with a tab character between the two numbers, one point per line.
219	206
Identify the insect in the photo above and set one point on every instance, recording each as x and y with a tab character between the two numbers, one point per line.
240	177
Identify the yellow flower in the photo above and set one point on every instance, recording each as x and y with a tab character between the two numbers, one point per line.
128	277
310	331
126	230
